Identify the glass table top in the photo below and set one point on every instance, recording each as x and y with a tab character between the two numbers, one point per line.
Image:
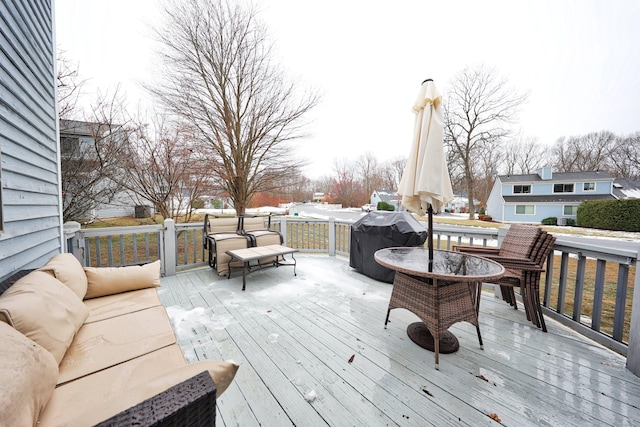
445	264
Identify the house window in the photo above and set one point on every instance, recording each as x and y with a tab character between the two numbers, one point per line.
571	210
589	186
69	147
521	189
563	188
525	209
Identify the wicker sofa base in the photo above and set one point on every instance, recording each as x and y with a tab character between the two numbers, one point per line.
190	403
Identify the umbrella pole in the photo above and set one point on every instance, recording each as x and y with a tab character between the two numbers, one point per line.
430	235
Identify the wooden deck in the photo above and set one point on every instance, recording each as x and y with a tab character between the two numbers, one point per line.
313	351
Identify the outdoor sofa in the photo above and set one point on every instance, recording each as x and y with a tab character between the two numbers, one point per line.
84	346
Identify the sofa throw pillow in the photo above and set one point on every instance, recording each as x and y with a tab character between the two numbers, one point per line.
45	310
67	269
28	374
114	280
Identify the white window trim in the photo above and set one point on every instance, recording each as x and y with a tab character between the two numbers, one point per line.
587	190
513	188
564	192
569	206
515	210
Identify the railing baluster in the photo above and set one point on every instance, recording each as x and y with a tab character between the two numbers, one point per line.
562	282
598	294
98	254
621	301
109	250
123	260
135	248
579	290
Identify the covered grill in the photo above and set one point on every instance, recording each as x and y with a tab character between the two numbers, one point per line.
379	230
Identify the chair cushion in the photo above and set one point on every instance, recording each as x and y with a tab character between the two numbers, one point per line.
45	310
28	375
113	280
67	269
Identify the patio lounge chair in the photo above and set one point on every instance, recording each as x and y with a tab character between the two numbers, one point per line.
254	229
219	236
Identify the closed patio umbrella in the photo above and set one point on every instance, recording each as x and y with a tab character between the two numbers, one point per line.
425	186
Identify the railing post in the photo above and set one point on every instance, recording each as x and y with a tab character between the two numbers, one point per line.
74	241
332	236
283	229
633	351
168	256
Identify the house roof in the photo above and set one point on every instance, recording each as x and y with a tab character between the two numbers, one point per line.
557	198
558	176
75	127
624	188
386	195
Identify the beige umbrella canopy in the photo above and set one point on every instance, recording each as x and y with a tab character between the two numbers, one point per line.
425	185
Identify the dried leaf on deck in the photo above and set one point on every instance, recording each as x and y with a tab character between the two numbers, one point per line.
494	417
351	358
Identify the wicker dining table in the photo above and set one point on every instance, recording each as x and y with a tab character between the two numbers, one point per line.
441	292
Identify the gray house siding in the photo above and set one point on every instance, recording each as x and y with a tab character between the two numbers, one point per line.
31	229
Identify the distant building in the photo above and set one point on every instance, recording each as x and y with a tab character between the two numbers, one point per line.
318	197
531	198
388	196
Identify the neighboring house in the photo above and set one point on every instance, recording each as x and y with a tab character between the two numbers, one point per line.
30	205
460	203
531	198
388	196
624	188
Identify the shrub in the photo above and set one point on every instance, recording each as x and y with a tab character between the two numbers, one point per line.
620	215
197	204
483	217
384	206
552	220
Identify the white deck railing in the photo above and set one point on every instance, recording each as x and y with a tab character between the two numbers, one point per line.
574	270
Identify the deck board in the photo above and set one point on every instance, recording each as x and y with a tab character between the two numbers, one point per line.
294	337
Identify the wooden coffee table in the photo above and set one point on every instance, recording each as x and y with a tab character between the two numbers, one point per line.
246	256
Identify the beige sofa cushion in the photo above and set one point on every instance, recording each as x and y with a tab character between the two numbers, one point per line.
45	310
221	372
75	397
112	280
28	376
67	269
116	305
100	345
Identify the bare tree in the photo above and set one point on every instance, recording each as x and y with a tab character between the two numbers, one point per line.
346	189
588	152
624	156
90	154
478	111
391	173
69	87
524	156
218	74
369	169
167	167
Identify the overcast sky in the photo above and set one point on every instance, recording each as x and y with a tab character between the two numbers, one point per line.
579	60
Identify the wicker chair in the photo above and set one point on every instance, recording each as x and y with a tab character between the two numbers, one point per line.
525	274
518	243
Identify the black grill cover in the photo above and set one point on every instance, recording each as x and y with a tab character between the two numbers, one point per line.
379	230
